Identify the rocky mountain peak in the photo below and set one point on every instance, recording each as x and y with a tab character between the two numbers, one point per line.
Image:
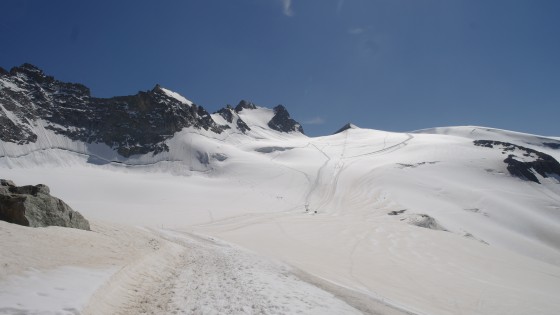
132	124
243	104
283	122
27	68
30	71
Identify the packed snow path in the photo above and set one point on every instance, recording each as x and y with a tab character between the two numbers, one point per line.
205	276
216	278
129	270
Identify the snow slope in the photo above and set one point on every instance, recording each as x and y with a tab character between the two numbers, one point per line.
423	222
159	272
177	96
541	143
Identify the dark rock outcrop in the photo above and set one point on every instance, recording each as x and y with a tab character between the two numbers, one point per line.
345	127
272	149
528	163
424	221
283	122
552	145
243	104
130	125
135	124
34	206
228	113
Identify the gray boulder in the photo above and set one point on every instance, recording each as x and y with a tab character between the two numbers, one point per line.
34	206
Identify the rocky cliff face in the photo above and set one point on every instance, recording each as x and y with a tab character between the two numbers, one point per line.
135	124
34	206
283	122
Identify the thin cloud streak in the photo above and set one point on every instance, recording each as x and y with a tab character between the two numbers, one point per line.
315	121
287	7
339	6
356	31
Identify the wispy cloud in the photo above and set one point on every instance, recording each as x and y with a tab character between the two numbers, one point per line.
339	6
315	121
356	31
287	7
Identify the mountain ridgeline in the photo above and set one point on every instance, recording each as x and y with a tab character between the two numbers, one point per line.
134	124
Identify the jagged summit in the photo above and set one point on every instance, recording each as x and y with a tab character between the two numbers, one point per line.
133	124
176	96
27	68
283	122
130	125
243	104
157	87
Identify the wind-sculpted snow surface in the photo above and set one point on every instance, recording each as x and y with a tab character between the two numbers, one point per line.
424	222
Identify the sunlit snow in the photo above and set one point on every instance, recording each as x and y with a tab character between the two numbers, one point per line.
361	221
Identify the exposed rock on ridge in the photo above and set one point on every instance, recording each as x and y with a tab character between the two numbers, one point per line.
34	206
283	122
230	114
134	124
527	162
243	104
346	127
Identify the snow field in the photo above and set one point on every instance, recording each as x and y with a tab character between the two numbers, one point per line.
64	290
338	208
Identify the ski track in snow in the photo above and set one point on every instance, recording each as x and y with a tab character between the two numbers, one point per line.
386	149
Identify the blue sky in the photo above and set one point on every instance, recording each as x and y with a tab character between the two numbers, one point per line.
388	64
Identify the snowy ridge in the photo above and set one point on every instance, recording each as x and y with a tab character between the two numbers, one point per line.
258	120
177	96
545	144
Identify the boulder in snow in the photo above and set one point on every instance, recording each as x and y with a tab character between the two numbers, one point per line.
34	206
